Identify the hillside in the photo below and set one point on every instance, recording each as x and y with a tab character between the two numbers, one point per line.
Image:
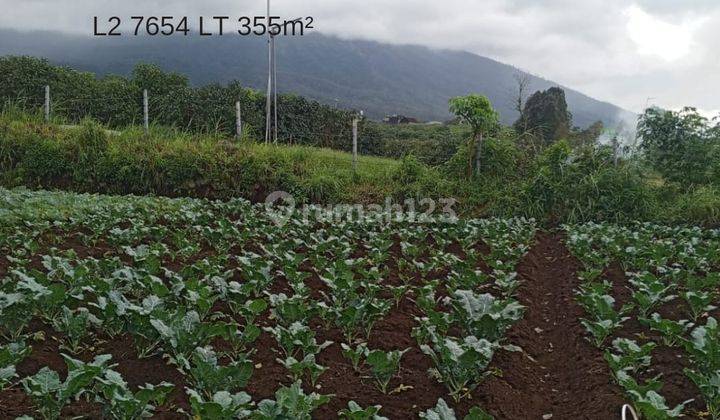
379	78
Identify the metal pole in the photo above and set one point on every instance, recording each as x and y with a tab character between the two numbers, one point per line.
275	93
146	116
269	84
47	103
238	121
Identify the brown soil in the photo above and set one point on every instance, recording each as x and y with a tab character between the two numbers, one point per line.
668	362
560	372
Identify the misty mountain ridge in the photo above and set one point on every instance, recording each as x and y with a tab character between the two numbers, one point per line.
382	79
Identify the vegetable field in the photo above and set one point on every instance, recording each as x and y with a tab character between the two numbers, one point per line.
131	307
650	295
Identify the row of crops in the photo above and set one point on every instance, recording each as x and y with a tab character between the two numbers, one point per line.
654	316
225	298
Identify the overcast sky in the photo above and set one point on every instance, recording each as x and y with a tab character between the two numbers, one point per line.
631	53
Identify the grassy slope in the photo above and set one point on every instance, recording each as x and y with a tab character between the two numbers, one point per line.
168	162
176	164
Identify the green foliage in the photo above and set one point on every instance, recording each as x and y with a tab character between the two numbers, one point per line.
558	185
604	317
355	412
671	331
460	364
181	332
210	377
648	403
173	102
77	325
10	355
355	355
484	316
649	292
546	116
119	402
476	111
586	186
384	365
441	411
681	145
709	384
15	314
222	406
172	163
502	158
51	395
628	355
698	205
291	403
297	340
307	366
431	144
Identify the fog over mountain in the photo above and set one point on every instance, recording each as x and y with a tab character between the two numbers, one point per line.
379	78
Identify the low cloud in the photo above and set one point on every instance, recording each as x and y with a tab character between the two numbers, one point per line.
660	52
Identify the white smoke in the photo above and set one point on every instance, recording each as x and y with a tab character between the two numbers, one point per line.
624	130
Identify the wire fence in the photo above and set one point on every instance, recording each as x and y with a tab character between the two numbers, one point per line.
213	117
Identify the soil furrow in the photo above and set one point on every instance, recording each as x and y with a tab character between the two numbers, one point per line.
560	375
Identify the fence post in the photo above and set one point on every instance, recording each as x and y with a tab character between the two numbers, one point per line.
238	121
355	142
47	103
146	117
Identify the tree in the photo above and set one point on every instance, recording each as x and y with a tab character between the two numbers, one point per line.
477	111
546	115
587	137
522	83
678	144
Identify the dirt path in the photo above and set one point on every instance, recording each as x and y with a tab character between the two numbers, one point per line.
561	374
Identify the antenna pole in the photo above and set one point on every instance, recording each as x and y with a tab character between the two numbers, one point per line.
268	103
275	92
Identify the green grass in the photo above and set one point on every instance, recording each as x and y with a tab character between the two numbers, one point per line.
560	185
89	158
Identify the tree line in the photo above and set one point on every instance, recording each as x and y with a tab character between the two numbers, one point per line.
681	146
116	101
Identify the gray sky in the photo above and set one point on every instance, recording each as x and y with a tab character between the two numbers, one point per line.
631	53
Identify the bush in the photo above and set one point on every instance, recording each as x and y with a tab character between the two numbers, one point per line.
89	159
322	188
501	158
575	188
559	185
699	206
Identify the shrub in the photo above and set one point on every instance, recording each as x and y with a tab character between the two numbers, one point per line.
698	206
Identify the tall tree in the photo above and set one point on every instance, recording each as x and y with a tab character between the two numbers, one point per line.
477	111
546	116
678	144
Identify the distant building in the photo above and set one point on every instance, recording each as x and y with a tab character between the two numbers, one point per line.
399	119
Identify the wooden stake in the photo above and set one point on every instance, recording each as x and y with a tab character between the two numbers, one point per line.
355	143
238	121
146	116
478	152
47	103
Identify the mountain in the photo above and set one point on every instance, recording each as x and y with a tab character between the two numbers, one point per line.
381	79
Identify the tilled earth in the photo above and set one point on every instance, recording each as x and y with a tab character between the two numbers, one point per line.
558	375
